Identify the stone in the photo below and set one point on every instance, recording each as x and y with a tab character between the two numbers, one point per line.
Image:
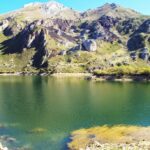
63	52
89	45
133	56
144	54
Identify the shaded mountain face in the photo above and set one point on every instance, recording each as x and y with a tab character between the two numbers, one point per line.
46	31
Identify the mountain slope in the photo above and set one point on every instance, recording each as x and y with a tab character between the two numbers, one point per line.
54	38
52	9
112	10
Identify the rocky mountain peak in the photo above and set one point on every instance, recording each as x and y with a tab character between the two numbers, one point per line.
112	10
52	7
110	6
43	10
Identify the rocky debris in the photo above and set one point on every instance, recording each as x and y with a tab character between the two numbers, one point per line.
89	45
95	145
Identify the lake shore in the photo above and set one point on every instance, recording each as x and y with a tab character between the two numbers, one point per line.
2	147
121	78
87	76
71	75
47	74
115	137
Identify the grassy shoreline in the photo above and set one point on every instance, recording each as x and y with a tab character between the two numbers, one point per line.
112	137
87	76
122	78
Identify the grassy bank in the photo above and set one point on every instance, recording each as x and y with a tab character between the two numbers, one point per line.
115	137
124	70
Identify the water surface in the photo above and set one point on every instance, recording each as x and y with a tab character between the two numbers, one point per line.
62	105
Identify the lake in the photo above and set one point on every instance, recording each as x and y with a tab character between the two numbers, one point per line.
59	106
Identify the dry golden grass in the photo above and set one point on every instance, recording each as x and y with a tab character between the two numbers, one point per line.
105	134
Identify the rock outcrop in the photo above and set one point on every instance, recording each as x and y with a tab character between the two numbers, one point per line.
89	45
145	27
139	40
3	25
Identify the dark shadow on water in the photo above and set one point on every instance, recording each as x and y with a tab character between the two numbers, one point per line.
65	142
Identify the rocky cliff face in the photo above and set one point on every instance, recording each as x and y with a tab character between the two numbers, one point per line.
52	30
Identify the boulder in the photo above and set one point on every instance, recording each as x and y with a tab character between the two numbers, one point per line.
8	31
133	56
89	45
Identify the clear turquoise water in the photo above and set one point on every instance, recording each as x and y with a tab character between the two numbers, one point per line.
63	105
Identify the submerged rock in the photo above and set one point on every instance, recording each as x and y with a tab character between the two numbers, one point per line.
2	147
37	131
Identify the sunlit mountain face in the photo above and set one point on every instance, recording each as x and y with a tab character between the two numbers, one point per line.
54	37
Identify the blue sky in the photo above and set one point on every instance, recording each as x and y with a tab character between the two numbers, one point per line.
142	6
